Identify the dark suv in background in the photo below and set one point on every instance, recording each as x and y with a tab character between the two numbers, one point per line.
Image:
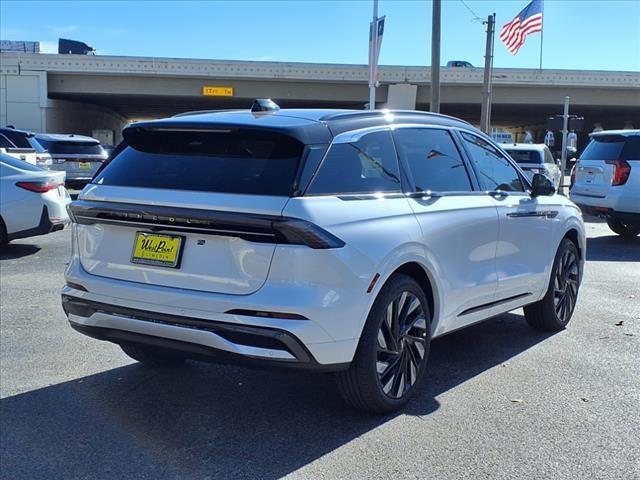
77	155
23	145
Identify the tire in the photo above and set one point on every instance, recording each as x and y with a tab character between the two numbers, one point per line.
395	338
554	311
623	229
153	356
4	238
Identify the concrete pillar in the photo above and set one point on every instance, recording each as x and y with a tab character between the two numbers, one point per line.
402	96
23	100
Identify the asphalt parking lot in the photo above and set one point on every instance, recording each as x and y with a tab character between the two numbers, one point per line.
502	401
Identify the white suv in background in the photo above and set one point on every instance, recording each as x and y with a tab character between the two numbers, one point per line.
327	240
535	158
607	179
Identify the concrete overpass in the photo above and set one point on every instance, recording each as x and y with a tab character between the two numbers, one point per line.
74	93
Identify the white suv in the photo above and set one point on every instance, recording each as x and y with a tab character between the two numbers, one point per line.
535	158
326	240
607	179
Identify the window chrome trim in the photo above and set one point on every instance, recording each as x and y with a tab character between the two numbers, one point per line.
353	136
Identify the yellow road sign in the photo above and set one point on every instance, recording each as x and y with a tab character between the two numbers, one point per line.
217	91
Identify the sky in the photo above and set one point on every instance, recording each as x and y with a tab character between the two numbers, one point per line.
578	34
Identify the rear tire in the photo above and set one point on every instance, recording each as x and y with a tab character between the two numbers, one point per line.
390	362
623	229
4	237
153	356
554	311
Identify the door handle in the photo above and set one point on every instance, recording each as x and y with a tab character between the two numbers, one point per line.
498	194
540	213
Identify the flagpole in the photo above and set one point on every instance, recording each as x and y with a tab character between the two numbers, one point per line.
541	33
373	58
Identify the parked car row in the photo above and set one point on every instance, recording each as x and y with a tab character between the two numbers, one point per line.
33	200
35	169
77	155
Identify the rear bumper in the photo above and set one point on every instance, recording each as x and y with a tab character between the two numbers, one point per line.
207	340
610	212
45	226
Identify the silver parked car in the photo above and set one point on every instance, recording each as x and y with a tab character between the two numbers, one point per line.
535	158
77	155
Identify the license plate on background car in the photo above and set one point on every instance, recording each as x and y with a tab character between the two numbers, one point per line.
157	249
85	165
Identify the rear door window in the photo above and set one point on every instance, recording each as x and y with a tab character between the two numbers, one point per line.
493	170
241	162
433	159
369	165
612	147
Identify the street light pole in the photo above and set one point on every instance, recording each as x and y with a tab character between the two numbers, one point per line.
563	154
485	113
373	57
435	57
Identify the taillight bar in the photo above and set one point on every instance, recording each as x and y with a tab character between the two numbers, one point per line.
39	187
249	226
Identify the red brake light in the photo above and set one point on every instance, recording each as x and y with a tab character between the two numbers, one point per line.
621	171
38	187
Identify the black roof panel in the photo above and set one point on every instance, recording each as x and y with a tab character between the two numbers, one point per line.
310	126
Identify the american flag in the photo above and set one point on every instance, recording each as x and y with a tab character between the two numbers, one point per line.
528	21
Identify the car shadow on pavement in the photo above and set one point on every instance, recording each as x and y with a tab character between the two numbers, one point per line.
211	421
17	250
613	248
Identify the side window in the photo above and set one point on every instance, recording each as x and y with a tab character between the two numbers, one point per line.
369	165
5	143
433	159
493	170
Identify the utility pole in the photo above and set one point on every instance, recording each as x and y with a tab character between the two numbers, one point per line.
565	131
435	57
485	111
373	56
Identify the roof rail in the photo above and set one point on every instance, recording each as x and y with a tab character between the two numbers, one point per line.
377	113
204	112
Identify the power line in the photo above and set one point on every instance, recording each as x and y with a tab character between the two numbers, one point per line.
476	18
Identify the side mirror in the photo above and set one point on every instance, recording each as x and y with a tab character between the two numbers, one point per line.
541	186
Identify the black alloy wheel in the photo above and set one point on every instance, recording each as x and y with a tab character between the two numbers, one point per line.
402	348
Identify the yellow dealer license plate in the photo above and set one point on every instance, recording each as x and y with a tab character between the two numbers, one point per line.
156	249
85	165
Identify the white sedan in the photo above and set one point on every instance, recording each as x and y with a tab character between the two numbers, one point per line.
33	201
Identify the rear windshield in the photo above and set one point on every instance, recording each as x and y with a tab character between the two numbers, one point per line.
525	156
72	148
243	162
612	147
17	137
